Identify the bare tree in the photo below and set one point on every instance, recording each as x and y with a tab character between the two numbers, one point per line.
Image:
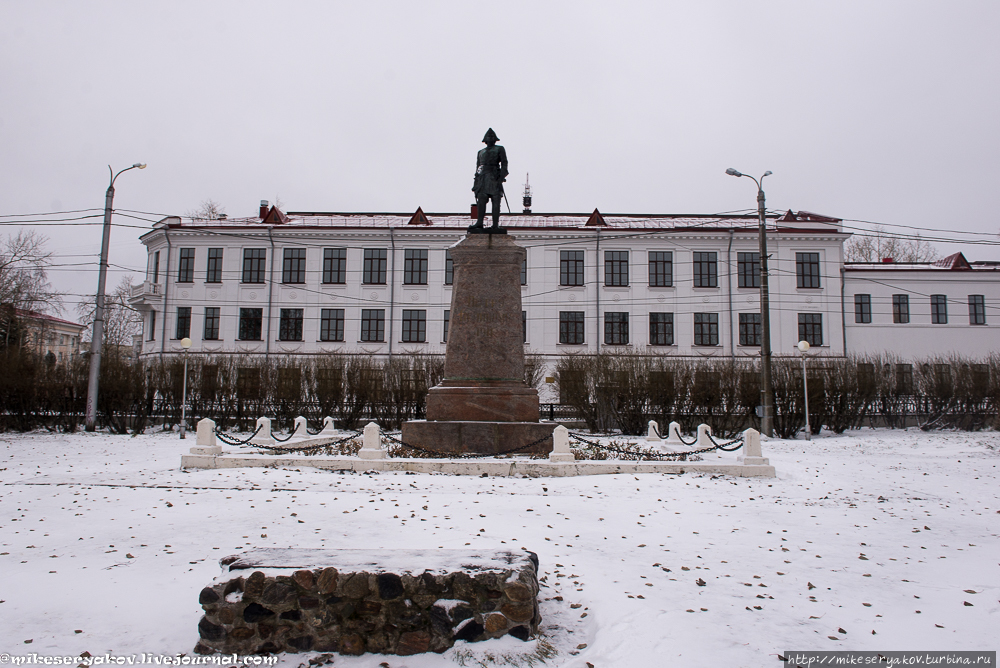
209	209
121	321
879	244
24	284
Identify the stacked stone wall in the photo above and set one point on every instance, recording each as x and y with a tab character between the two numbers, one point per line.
327	610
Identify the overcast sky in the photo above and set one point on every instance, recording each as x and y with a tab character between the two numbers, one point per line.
877	111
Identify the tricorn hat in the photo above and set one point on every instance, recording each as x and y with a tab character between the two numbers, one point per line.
490	136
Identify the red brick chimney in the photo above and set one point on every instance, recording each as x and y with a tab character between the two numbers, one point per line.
887	260
263	208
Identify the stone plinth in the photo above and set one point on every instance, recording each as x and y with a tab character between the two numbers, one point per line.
469	436
483	404
355	601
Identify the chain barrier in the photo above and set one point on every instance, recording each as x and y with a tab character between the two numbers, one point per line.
464	455
286	438
658	456
309	449
232	440
724	446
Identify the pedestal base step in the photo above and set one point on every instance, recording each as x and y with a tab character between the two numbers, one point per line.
485	438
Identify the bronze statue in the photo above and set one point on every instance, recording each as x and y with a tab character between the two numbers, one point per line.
491	172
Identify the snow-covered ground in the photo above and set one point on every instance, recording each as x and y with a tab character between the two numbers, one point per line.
873	540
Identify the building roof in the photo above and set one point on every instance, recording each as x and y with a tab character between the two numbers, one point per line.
954	262
803	221
44	317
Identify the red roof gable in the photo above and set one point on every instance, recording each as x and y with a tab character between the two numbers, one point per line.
955	261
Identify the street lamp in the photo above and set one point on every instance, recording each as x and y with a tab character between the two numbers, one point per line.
97	340
766	394
186	344
804	348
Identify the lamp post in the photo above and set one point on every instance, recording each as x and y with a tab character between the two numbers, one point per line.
804	348
766	394
185	344
97	340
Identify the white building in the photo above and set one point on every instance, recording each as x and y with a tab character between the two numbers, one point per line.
315	283
921	310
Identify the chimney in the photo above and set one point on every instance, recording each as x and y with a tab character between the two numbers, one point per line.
263	209
887	260
474	211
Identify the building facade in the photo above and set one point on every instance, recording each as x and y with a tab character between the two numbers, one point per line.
47	335
380	284
917	311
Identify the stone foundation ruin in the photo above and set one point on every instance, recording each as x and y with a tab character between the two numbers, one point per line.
355	601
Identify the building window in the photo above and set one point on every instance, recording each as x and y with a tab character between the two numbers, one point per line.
185	269
415	267
254	261
290	325
449	269
706	329
616	268
524	326
661	328
661	269
901	309
524	269
807	270
750	329
447	318
156	268
212	319
250	324
293	269
570	267
863	308
183	322
373	324
706	270
374	267
335	265
904	379
939	310
152	326
331	324
571	326
616	329
811	328
977	310
748	270
414	326
214	272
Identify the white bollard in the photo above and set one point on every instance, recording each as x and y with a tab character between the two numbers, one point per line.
205	444
674	435
371	443
752	455
328	427
299	427
561	453
206	432
263	436
651	434
704	437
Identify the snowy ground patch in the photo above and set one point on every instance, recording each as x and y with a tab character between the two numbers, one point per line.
105	545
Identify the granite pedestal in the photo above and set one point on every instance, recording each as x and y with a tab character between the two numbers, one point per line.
483	404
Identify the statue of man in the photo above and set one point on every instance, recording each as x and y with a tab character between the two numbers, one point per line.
491	172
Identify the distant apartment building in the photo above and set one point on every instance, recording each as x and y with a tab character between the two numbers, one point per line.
45	334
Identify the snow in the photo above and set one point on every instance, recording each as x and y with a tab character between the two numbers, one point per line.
895	531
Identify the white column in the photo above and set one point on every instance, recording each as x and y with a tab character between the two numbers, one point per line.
205	443
328	427
674	435
371	443
561	453
299	427
704	437
651	434
752	455
263	436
